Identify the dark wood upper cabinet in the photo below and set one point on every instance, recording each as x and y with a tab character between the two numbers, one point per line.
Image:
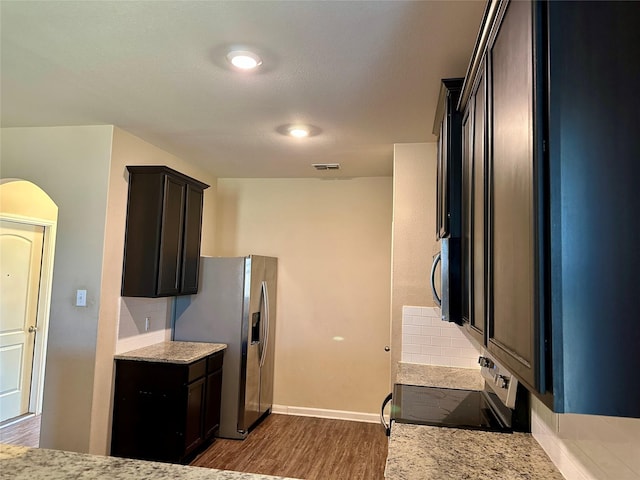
164	225
511	327
449	168
550	122
466	277
474	198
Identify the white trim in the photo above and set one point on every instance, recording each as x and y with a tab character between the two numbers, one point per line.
323	413
44	305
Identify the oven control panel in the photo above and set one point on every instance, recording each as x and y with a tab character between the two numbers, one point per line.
499	379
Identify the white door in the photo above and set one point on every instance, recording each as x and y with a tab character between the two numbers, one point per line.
20	264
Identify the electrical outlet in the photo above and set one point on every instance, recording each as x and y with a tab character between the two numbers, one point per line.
81	298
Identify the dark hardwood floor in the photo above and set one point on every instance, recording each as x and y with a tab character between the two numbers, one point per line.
25	432
303	447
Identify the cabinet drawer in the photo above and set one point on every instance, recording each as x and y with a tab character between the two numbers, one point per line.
214	362
197	370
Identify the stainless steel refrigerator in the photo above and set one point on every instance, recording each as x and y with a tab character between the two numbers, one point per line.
236	305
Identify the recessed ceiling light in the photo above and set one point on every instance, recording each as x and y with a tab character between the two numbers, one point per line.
298	131
244	59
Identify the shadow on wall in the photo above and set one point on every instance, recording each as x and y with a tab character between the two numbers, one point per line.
143	315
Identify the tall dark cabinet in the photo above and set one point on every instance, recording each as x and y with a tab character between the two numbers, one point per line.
550	186
164	224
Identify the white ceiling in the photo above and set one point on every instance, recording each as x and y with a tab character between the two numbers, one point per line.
364	72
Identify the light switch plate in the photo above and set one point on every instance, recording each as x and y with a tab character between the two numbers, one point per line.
81	298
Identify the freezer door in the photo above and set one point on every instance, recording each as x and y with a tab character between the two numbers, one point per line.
252	322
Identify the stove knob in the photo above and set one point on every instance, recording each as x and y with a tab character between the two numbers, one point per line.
485	362
502	381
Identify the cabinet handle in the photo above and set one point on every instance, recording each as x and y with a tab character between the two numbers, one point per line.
436	297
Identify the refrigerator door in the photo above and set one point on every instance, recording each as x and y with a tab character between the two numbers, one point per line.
252	331
266	373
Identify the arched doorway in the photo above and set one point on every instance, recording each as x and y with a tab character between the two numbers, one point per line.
28	218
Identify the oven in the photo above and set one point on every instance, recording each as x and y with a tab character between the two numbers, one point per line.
502	406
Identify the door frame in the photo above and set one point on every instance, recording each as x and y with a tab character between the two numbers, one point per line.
48	220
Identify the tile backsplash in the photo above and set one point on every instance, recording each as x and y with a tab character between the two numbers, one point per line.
427	340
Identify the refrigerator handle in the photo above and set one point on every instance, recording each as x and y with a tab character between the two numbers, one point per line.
436	297
265	336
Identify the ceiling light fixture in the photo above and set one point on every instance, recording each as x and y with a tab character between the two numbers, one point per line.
244	59
298	131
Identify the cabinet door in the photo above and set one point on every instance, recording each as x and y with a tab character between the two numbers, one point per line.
142	237
442	207
478	207
170	261
465	233
212	404
193	426
191	240
511	319
147	415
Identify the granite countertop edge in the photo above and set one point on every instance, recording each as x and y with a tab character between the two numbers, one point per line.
439	376
441	453
23	463
172	352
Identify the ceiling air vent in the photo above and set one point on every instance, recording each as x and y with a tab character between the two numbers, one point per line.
326	166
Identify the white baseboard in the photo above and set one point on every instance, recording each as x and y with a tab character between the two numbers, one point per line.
322	413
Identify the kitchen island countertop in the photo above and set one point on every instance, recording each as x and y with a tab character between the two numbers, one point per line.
172	352
439	453
22	463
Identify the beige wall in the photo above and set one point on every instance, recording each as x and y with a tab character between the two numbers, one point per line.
130	150
333	241
88	182
414	237
71	164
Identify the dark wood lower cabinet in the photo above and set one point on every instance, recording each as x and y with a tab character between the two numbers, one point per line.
165	411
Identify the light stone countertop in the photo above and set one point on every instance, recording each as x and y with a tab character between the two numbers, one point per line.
421	452
22	463
436	376
172	352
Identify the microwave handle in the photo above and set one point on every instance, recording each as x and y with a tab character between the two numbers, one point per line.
436	297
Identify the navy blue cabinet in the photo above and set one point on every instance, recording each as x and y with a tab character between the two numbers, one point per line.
593	160
561	245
